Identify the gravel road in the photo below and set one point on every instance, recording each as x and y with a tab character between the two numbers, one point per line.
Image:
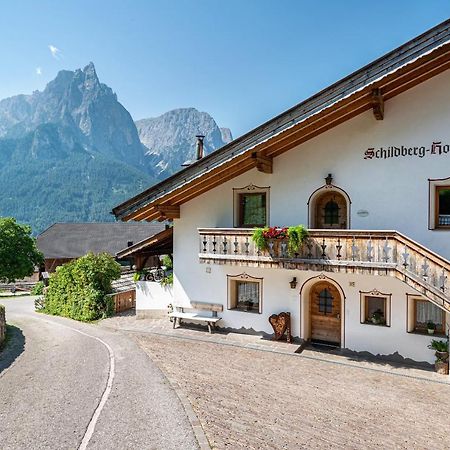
54	374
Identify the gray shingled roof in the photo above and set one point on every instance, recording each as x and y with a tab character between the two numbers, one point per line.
72	240
427	42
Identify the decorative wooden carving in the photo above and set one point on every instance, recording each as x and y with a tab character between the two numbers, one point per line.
281	324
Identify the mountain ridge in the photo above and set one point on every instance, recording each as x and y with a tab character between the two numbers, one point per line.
72	151
179	140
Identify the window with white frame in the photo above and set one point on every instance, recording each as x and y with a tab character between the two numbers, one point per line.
245	293
375	308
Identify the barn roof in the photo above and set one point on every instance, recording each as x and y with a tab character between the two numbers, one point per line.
368	88
72	240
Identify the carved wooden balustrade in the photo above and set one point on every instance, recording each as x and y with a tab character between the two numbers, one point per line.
348	251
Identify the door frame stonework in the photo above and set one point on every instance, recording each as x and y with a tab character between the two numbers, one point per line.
305	297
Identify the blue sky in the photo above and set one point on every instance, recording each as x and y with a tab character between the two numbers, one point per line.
242	61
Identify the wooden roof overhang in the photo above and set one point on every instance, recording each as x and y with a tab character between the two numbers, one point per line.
159	244
411	64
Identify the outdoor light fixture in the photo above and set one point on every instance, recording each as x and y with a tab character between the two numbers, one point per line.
293	283
329	179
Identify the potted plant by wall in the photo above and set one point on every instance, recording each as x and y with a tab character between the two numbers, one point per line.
441	352
431	326
377	317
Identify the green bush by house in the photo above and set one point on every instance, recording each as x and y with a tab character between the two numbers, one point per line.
38	288
79	288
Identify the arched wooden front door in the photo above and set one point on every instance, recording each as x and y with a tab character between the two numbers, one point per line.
325	313
331	211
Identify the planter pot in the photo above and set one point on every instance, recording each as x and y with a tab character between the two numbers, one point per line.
441	367
443	356
430	331
274	248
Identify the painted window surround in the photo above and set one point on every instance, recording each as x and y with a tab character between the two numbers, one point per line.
249	189
232	281
411	300
433	185
378	294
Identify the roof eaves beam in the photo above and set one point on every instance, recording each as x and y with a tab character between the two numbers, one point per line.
263	163
168	212
378	104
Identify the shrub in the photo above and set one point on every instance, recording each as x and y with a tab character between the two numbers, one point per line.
79	288
167	262
167	280
38	288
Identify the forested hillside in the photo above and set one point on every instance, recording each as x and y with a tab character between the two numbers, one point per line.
72	152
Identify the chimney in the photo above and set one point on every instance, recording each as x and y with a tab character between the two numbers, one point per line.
200	152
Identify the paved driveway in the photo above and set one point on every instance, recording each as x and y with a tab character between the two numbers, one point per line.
248	398
57	372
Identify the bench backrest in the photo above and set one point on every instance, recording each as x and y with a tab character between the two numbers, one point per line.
203	306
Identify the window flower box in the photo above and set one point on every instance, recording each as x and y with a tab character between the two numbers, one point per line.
280	241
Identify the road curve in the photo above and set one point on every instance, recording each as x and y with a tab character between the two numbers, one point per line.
54	375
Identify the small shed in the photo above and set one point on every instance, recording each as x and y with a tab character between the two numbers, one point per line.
146	253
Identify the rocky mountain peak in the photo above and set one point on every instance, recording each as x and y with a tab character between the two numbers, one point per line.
72	151
170	138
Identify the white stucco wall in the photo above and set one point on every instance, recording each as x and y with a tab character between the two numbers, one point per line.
394	191
150	295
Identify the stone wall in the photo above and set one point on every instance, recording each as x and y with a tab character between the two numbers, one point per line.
2	324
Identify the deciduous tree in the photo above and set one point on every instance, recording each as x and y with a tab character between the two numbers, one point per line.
18	252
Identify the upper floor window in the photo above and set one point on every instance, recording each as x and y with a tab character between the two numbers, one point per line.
252	210
439	204
443	206
329	207
251	207
331	213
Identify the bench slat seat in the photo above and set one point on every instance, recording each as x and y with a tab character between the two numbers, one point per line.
183	315
211	320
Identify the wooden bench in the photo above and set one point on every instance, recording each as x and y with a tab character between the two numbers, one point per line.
180	314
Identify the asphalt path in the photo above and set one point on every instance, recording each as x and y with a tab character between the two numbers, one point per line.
69	385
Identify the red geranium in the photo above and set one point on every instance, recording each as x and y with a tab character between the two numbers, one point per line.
276	233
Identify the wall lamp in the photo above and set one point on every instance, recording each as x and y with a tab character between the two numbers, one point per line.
293	283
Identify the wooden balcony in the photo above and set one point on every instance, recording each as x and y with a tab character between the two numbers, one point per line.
370	252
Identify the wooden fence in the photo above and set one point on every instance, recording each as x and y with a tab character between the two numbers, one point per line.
124	301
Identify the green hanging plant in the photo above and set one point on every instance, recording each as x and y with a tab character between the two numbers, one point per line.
296	236
259	239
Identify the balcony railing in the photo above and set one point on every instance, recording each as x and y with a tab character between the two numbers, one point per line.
356	251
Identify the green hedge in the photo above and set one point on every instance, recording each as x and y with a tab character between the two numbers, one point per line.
79	288
38	288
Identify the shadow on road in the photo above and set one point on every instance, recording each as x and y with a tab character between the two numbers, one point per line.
12	348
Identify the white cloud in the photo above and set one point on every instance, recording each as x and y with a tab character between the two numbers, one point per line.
38	71
55	51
